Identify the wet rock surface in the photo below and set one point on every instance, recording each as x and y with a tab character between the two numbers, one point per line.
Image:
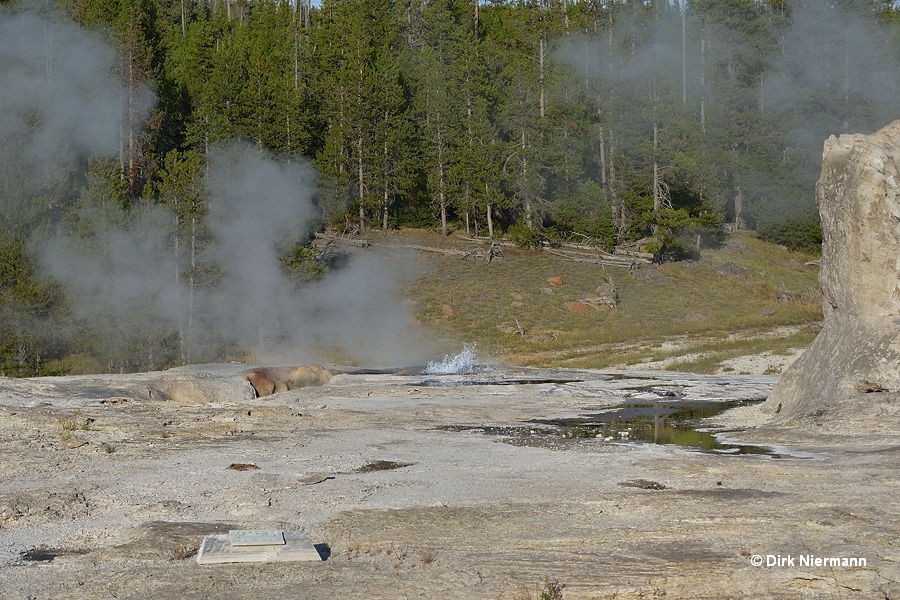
402	491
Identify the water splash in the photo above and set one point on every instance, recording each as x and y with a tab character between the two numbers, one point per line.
458	364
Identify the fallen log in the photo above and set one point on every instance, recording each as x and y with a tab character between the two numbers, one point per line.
609	261
355	242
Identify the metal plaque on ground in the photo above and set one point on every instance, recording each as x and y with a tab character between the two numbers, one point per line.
219	548
256	537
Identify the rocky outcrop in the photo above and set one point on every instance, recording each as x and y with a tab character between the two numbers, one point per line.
853	366
200	388
270	380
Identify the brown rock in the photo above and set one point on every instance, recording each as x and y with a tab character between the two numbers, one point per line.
266	381
577	307
270	380
447	310
555	280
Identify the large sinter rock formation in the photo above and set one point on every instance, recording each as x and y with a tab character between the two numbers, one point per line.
853	366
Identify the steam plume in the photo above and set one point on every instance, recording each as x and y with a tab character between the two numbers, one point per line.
255	204
825	70
60	105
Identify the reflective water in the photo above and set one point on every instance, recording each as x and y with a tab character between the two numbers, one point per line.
667	422
657	423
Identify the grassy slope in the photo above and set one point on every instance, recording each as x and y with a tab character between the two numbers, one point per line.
677	309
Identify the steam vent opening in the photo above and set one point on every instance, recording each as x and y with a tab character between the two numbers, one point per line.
270	380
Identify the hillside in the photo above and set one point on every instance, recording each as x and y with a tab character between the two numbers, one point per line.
748	297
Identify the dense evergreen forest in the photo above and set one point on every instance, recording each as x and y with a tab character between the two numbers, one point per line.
601	122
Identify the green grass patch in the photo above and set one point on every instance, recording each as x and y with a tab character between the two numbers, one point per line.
713	356
731	290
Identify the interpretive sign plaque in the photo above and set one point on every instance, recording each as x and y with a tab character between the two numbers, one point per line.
256	537
291	546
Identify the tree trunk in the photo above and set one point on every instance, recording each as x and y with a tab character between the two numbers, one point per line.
609	44
619	218
612	164
182	350
296	60
132	76
602	158
361	191
683	53
703	85
131	111
287	132
526	196
541	73
443	207
191	284
384	215
122	145
655	167
441	196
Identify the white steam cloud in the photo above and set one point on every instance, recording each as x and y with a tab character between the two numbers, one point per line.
820	69
831	51
60	104
256	203
57	85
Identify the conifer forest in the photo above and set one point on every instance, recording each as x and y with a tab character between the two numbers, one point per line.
605	122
